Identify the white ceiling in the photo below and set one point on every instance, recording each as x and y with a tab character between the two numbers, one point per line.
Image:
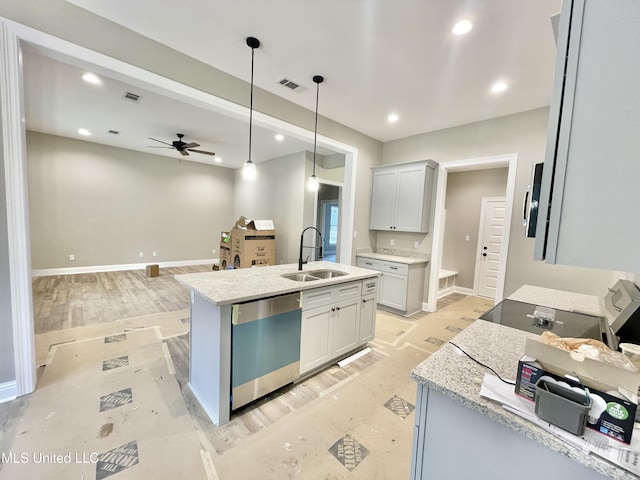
377	57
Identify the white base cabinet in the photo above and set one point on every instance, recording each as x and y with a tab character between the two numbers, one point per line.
401	285
335	321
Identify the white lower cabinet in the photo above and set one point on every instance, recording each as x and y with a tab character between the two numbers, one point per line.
401	284
393	290
367	318
340	320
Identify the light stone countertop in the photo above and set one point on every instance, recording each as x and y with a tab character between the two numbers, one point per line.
451	373
562	300
225	287
394	258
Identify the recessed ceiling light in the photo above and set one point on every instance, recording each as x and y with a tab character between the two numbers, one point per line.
217	159
91	78
462	27
392	118
279	137
84	131
499	87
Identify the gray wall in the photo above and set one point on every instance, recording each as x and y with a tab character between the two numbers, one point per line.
7	363
463	203
524	134
105	205
278	194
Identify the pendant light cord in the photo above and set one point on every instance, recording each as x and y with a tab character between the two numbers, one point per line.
253	51
315	130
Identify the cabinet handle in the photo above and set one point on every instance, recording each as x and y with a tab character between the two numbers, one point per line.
393	268
484	254
333	309
364	301
337	308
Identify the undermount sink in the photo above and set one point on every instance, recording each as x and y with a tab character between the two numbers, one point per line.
299	277
327	273
312	275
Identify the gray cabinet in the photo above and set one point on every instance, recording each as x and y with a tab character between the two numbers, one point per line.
588	213
401	197
333	324
401	285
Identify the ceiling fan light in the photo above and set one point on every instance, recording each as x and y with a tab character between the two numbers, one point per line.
249	171
313	184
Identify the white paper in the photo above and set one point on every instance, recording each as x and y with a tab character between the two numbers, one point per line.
263	224
625	456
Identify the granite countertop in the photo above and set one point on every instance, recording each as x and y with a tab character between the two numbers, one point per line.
233	286
394	258
562	300
451	373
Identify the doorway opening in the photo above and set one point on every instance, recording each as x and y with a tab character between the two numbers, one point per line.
462	237
328	219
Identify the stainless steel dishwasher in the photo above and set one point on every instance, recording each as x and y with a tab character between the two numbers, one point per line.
265	347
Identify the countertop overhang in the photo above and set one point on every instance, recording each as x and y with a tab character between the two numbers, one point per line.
225	287
451	373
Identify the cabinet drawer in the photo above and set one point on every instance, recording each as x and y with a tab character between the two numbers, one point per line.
369	263
399	268
316	297
369	285
319	297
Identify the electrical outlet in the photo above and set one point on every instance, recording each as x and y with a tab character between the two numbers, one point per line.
141	254
72	257
154	254
416	244
467	238
391	242
213	251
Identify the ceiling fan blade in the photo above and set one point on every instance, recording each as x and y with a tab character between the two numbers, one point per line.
156	146
156	140
184	153
201	151
191	145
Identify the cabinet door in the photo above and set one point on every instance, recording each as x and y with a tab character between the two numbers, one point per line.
383	200
591	174
315	338
345	326
410	199
367	328
393	291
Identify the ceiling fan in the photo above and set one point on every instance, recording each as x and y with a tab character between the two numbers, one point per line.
182	147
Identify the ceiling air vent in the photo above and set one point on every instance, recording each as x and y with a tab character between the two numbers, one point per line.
113	132
290	84
132	97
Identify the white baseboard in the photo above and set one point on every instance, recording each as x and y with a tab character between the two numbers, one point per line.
454	289
114	268
8	391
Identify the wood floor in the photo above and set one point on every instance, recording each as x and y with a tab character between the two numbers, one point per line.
67	301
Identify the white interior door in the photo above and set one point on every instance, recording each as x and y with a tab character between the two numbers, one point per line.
490	236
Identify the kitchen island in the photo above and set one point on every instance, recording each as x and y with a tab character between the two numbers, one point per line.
341	307
459	434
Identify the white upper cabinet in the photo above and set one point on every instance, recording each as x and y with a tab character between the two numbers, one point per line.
401	196
588	212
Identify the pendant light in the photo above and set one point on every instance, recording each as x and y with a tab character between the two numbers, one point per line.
312	184
249	168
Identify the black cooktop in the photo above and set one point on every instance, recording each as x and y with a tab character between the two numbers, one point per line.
520	315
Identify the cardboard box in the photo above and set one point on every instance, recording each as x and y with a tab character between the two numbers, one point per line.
225	256
253	243
153	270
610	414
